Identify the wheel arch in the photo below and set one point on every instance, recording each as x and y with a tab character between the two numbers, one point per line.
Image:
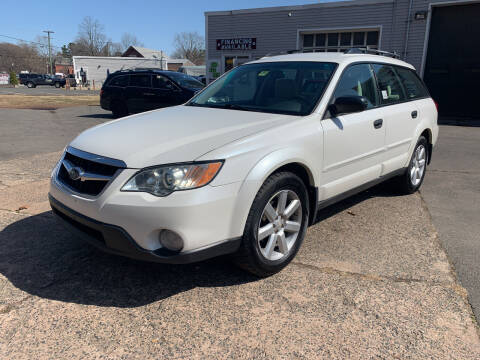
427	133
275	162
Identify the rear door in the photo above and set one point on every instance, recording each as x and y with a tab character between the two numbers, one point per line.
400	116
353	143
138	92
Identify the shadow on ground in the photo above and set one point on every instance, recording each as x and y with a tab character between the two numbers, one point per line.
41	256
98	116
458	121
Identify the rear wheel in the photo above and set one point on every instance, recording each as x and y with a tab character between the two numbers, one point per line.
276	225
119	109
57	84
30	85
413	177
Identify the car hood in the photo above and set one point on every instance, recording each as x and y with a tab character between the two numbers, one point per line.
175	134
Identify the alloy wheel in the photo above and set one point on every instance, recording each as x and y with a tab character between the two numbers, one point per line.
417	167
279	225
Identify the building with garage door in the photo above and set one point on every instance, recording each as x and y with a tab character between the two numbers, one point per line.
440	38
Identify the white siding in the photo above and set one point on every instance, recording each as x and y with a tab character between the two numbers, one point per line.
276	31
96	66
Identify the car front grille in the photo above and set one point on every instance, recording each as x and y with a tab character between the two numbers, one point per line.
91	164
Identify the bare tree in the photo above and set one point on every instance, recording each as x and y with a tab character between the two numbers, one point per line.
191	46
129	40
22	57
91	36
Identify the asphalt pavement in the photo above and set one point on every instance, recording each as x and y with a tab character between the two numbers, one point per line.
372	279
27	132
452	193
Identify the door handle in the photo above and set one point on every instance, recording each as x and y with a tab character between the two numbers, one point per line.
377	124
148	94
414	114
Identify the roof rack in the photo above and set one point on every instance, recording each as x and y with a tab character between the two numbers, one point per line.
286	52
372	51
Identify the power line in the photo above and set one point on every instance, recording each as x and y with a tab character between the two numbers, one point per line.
29	41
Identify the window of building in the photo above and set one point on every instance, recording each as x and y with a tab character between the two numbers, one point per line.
335	41
358	80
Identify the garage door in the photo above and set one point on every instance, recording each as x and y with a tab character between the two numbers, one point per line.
452	70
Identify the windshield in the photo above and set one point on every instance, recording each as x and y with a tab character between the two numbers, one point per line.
279	87
185	80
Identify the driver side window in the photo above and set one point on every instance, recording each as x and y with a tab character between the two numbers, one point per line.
358	80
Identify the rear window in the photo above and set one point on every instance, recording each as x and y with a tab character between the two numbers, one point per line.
119	81
412	84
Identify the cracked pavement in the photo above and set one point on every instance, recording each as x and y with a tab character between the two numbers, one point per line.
371	281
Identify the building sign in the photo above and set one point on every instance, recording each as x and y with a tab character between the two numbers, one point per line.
237	44
4	79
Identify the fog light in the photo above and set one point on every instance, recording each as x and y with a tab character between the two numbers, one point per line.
170	240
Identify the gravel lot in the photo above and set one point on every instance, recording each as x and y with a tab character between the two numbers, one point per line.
371	281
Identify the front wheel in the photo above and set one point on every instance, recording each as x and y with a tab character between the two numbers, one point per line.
413	177
57	84
276	225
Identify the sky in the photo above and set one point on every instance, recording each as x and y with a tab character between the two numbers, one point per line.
154	22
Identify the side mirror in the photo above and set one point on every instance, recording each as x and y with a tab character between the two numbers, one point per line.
348	104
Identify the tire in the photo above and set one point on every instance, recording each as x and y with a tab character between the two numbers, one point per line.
30	85
273	251
57	85
119	109
413	177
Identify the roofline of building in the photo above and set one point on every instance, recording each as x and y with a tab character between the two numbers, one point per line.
299	7
118	58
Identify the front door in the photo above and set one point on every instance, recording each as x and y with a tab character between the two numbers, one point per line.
354	143
162	92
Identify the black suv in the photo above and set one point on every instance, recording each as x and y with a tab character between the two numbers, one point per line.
33	80
125	92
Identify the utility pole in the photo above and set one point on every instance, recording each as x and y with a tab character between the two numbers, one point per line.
49	50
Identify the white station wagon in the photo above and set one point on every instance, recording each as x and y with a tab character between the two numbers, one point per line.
245	165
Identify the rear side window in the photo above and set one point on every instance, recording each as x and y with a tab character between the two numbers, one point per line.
413	86
391	90
358	80
140	80
119	81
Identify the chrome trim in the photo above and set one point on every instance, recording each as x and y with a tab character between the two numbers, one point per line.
96	158
80	174
100	159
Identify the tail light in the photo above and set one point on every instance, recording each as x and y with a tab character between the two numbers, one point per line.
436	104
101	93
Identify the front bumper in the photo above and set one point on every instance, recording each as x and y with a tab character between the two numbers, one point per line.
115	240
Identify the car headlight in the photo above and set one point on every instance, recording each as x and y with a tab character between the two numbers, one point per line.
163	180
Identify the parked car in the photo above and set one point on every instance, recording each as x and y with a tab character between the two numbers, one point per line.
245	165
126	92
33	80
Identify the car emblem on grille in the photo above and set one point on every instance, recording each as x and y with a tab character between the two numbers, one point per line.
75	173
